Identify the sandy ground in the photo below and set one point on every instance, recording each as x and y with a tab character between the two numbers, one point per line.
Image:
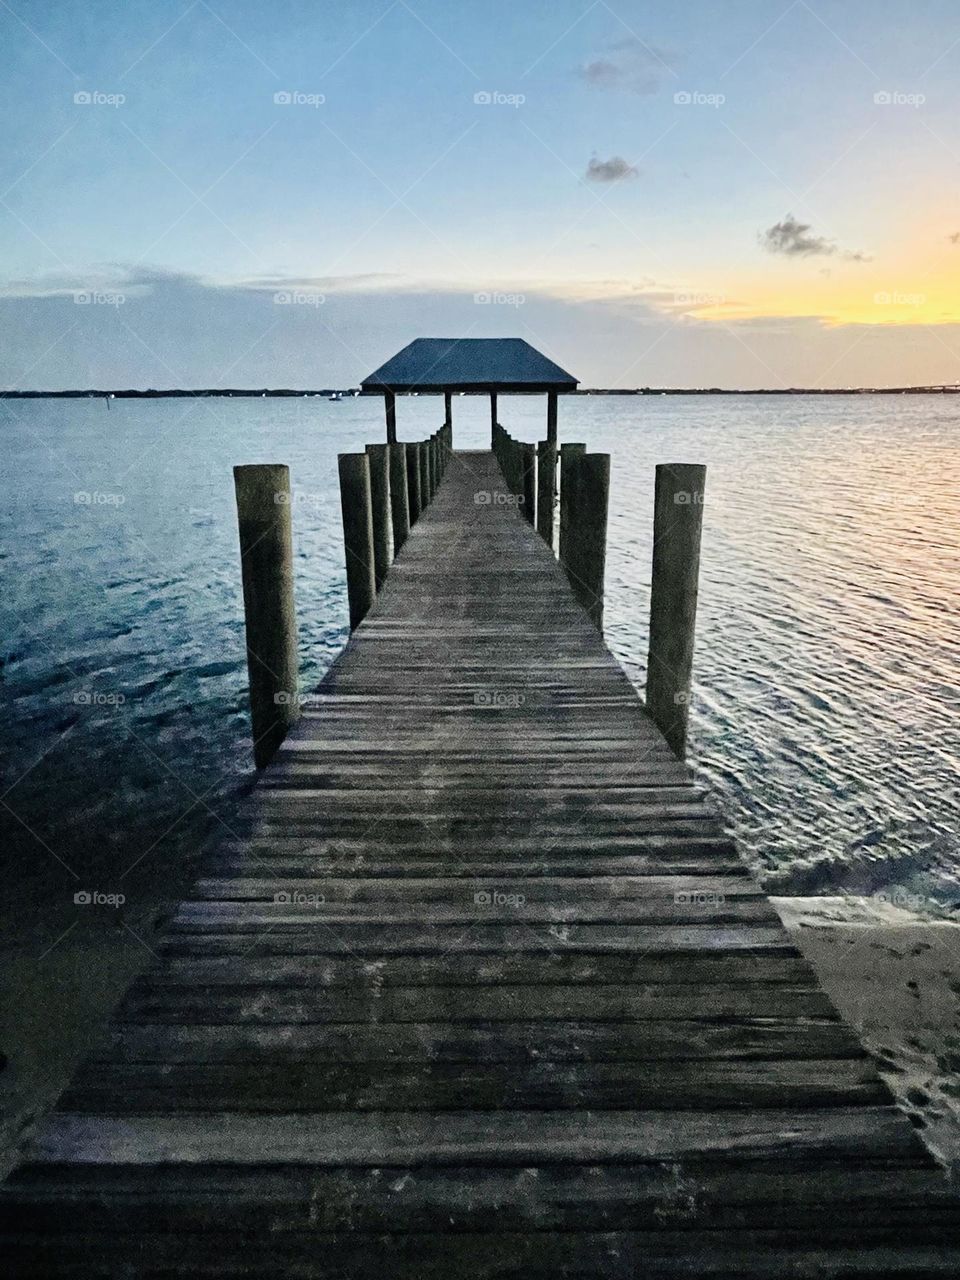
892	975
896	979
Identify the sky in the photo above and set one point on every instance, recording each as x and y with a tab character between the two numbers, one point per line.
753	193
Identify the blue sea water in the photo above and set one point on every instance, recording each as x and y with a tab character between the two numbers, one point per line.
828	655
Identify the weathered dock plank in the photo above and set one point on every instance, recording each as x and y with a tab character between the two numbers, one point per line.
480	989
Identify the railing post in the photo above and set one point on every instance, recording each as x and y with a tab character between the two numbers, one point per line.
357	534
677	522
266	563
568	452
380	507
399	497
583	545
528	480
390	410
423	457
413	482
546	490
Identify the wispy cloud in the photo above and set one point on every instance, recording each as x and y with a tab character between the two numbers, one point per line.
629	65
791	238
613	170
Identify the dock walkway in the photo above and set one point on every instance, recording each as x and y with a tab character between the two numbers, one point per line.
485	991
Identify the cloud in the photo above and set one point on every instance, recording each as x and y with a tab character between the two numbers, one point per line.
791	238
629	65
612	170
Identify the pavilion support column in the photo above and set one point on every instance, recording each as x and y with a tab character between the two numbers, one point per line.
552	418
493	416
390	409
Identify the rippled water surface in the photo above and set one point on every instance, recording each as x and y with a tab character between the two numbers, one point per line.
827	669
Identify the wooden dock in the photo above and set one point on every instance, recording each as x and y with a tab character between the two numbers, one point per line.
484	991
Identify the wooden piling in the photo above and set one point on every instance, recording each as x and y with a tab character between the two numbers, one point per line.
357	534
528	480
677	521
379	464
266	561
423	457
546	489
583	544
552	418
390	410
399	495
413	481
568	452
493	414
448	409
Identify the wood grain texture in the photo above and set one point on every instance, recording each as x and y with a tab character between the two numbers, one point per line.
478	987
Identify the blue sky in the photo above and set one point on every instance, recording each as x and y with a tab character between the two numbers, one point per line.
616	196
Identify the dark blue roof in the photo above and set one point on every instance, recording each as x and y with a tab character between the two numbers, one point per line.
469	364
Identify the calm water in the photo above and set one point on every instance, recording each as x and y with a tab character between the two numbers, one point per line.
828	664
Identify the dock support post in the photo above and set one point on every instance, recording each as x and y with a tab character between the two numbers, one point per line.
583	544
390	409
357	534
380	506
568	453
423	452
493	415
546	489
413	482
528	480
552	418
399	497
266	562
677	521
448	412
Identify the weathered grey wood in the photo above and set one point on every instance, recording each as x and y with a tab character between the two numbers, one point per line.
552	418
528	462
546	489
390	410
423	458
266	562
355	506
568	452
583	537
399	495
360	1054
414	490
678	515
379	464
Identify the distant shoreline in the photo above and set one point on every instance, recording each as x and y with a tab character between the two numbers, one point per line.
348	393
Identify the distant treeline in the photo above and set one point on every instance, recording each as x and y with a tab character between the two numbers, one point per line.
152	394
